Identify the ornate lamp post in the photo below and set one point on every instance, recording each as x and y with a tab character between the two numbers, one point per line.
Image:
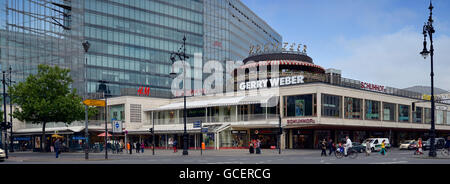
429	29
182	56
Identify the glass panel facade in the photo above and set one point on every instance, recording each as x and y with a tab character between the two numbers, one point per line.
301	105
388	112
427	115
331	105
353	108
372	110
417	115
439	116
403	113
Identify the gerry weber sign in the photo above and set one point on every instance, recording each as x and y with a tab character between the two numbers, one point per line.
275	82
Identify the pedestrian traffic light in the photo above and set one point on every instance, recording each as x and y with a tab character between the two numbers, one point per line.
151	130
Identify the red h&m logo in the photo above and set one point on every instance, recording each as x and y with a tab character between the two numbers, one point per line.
217	44
143	91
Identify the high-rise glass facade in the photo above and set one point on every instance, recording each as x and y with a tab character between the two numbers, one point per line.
130	40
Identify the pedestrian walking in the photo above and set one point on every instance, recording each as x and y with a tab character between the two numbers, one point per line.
252	147
258	146
52	147
383	148
419	146
138	147
170	142
175	144
323	146
129	148
142	147
331	146
57	147
368	148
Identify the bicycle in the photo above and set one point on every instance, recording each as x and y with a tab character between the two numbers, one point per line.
444	152
350	153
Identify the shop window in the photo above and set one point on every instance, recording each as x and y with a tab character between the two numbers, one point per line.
439	116
427	115
301	105
372	110
353	108
388	112
331	105
448	117
403	113
417	115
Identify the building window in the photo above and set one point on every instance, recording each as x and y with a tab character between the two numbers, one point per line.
417	115
388	112
427	115
448	117
331	105
353	108
403	113
372	110
135	113
301	105
439	116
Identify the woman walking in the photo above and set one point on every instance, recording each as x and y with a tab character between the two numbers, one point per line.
383	148
323	146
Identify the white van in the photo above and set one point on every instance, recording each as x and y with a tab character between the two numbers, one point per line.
375	143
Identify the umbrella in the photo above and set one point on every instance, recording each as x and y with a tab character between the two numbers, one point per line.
103	134
57	136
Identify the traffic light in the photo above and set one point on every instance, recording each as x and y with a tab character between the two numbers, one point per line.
151	130
413	106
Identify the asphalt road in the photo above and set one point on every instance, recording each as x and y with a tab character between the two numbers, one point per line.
394	156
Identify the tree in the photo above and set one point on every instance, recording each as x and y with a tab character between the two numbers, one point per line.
47	97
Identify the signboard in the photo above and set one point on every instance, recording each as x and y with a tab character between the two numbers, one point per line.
78	138
204	130
295	121
117	126
442	108
197	124
274	82
372	87
92	102
426	97
277	47
143	91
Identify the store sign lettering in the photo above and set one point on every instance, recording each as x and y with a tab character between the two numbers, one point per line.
284	81
275	47
295	121
372	87
143	91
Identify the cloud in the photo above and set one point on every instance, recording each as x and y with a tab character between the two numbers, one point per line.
393	59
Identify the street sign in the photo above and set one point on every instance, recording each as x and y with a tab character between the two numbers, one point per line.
204	130
426	97
92	102
197	124
117	126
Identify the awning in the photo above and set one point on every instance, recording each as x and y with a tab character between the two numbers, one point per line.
60	130
225	101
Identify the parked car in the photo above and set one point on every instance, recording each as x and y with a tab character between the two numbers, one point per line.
438	142
358	147
405	144
375	143
2	155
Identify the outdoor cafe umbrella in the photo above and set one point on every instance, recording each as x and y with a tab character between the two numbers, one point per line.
103	134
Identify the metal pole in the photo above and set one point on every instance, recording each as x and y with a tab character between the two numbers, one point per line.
430	31
10	113
4	115
280	130
106	126
86	130
153	132
185	147
201	138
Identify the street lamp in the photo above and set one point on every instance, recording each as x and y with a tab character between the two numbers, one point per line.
182	56
86	46
429	29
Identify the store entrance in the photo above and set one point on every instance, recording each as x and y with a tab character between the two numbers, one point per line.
302	139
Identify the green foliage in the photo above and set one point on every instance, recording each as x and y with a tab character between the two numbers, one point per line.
47	97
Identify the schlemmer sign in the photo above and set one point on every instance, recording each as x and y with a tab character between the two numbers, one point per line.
275	82
372	87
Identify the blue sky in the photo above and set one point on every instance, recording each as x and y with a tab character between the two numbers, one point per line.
373	41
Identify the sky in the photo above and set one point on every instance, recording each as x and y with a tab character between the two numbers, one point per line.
372	41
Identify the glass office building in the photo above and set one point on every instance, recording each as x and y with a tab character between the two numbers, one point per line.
130	40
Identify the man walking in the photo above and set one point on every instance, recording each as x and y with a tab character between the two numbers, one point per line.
57	147
331	146
138	147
